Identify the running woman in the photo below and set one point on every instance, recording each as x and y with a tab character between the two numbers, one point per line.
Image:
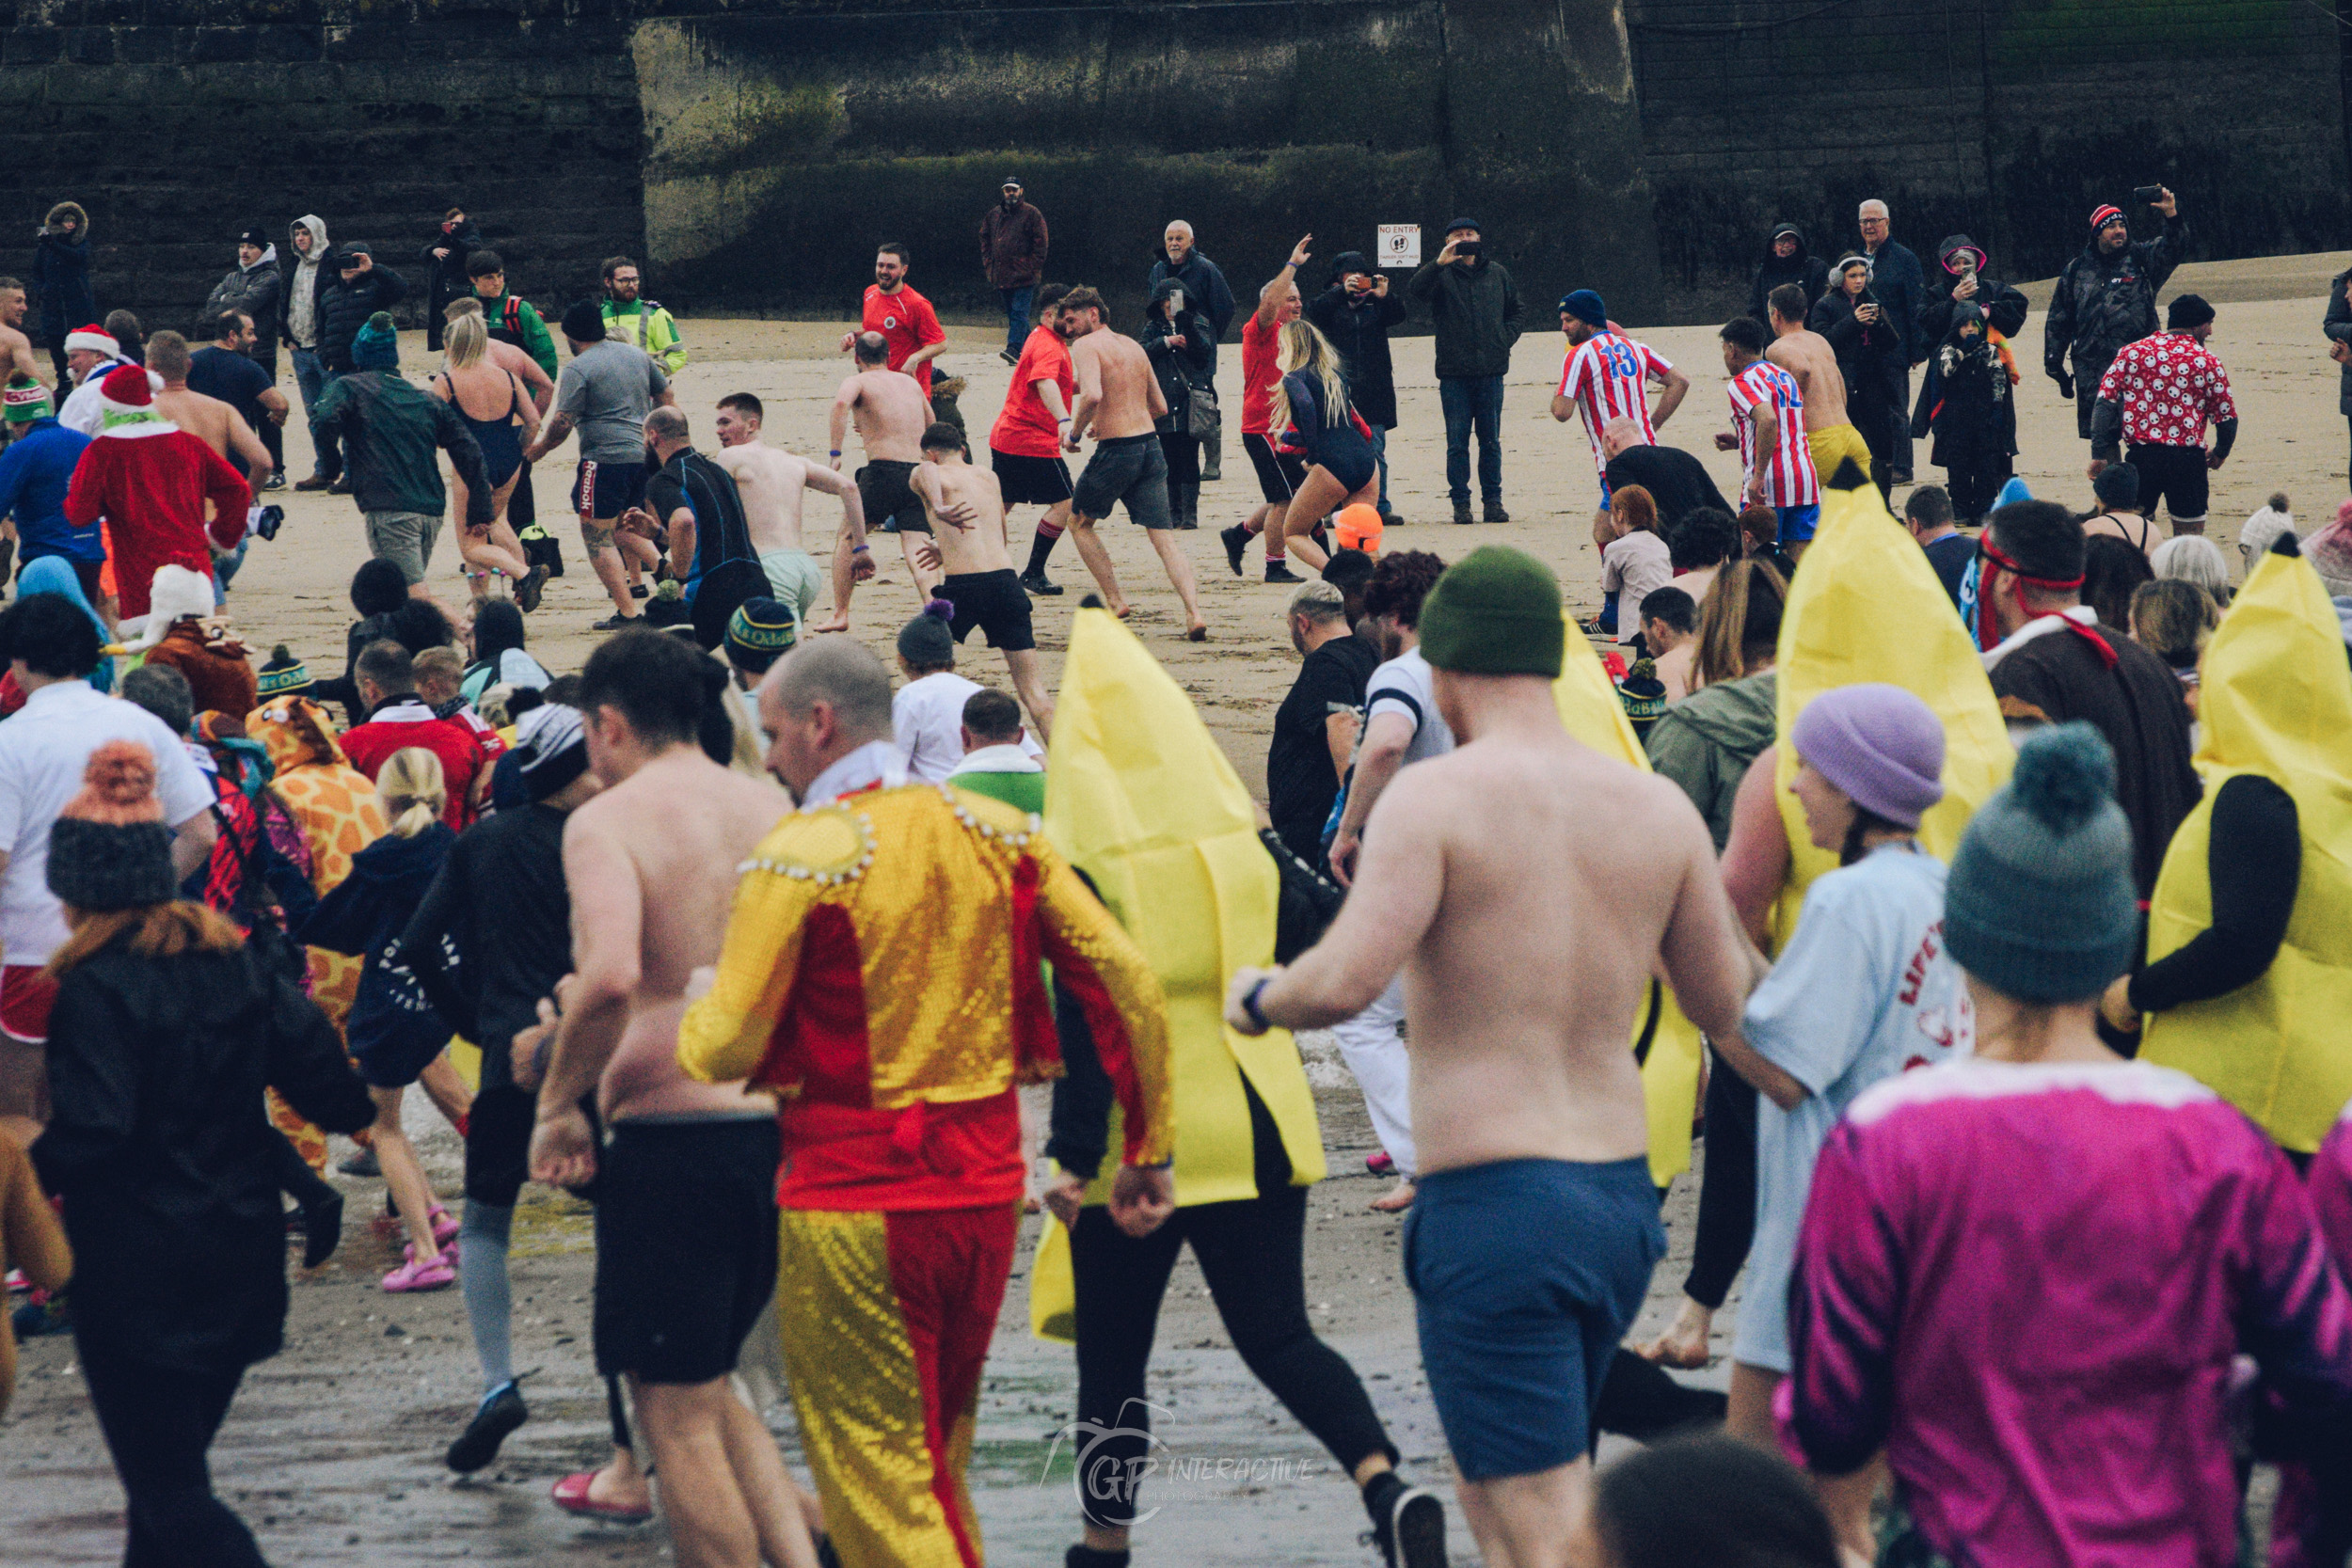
1768	429
1323	427
1280	473
470	383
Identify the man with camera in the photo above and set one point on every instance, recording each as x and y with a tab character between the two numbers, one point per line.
1476	307
1356	313
2107	297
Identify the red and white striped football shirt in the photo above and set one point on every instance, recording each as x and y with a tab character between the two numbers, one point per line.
1787	471
1607	374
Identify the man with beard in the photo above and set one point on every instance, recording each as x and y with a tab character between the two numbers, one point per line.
2107	297
1013	252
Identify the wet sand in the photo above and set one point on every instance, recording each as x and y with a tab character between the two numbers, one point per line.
332	1451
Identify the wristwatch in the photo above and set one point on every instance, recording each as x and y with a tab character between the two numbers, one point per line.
1249	1002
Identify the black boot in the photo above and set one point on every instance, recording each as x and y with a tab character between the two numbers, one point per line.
1187	498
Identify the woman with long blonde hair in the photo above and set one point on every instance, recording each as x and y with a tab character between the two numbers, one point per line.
1341	468
166	1028
503	421
395	1033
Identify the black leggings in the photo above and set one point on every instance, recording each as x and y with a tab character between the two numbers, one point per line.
1251	1253
1728	1193
158	1422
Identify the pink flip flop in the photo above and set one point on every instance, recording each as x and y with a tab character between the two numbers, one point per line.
571	1495
413	1275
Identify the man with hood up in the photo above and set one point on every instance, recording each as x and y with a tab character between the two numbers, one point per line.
300	321
444	256
1788	260
61	277
2107	297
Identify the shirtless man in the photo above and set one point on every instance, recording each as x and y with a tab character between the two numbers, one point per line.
1806	356
1525	957
686	1219
1119	397
892	413
978	558
771	483
220	427
14	345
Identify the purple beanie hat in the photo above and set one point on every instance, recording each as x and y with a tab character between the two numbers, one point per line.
1880	744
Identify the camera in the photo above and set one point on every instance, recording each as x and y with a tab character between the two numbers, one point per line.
2149	194
1470	248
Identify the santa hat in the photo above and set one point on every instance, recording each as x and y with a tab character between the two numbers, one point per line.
178	595
126	404
94	337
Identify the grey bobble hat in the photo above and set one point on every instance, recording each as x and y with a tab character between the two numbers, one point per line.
2039	903
926	642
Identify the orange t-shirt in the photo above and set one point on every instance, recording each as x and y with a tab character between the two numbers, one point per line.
908	321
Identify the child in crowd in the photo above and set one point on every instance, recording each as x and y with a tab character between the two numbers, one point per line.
2174	620
1974	418
1634	564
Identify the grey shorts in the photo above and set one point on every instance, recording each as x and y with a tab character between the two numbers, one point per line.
405	539
1129	468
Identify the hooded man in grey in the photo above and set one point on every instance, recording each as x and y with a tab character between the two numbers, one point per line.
304	277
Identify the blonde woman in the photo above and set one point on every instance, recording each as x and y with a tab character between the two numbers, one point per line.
503	421
395	1033
1342	467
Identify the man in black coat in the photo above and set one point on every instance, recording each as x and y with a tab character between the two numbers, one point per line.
2337	325
444	258
1899	283
1356	313
2107	297
1204	285
361	289
1786	261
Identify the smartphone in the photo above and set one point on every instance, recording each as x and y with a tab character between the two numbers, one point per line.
1175	301
2149	194
1469	247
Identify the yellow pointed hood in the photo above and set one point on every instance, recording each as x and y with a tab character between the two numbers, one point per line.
1866	606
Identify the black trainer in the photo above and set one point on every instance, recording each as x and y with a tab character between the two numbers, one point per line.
1462	513
1280	572
321	1225
499	1413
1038	582
1236	540
1410	1524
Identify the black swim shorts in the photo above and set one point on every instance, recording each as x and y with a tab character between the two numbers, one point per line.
890	503
1280	473
994	601
603	491
1029	480
686	1244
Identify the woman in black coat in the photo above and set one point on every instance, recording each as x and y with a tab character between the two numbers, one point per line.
166	1028
1866	344
1786	261
1182	342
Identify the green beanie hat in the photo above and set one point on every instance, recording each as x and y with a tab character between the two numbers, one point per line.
2039	903
1495	612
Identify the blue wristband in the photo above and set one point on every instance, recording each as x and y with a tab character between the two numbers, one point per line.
1249	1002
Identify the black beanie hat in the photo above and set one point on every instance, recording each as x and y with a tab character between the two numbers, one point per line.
109	848
585	322
2186	311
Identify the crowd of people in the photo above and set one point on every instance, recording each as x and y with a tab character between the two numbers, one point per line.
1972	879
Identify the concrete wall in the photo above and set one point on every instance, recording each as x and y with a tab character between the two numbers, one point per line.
2008	120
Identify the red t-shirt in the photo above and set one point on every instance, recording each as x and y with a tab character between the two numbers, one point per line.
370	745
1261	371
907	320
1026	428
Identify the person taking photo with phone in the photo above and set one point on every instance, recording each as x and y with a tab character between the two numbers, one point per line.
2107	297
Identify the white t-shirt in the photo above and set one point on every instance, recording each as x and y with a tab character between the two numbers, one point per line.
1633	568
1404	685
42	752
1863	991
84	407
928	715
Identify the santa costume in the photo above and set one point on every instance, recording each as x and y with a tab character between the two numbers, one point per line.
150	479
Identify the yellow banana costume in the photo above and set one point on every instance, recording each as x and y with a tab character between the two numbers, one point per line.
880	975
1592	713
1866	606
2277	701
1141	797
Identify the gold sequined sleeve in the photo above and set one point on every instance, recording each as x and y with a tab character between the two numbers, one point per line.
1093	955
724	1035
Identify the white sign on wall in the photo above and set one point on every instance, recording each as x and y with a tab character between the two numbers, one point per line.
1400	244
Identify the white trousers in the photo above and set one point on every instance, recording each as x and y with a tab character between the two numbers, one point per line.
1372	1045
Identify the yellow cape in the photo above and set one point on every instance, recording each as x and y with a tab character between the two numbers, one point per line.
2277	700
1140	799
1590	710
1866	606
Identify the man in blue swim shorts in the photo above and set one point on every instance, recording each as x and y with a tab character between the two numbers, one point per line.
1525	957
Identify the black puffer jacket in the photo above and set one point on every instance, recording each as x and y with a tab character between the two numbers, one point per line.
2104	302
1870	356
2337	325
2003	306
1179	369
1360	331
254	291
346	307
445	276
1804	269
161	1146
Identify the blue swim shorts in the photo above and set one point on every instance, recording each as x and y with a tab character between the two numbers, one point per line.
1525	1275
1797	523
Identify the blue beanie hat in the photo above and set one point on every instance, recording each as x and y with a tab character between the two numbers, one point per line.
926	642
1586	305
376	346
2039	903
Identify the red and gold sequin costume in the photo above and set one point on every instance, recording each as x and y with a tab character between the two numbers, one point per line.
881	976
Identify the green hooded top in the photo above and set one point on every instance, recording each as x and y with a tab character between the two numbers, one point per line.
1706	741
